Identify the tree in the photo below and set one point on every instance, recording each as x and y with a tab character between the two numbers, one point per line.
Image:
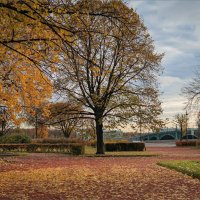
111	67
32	33
5	122
26	46
38	117
192	92
35	28
65	116
22	87
182	121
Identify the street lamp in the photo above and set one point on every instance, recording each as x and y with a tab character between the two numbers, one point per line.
186	121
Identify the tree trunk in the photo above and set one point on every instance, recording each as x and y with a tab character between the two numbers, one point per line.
66	134
181	133
99	132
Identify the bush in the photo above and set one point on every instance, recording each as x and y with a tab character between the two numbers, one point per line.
12	147
15	139
73	149
187	143
91	143
125	146
77	149
56	140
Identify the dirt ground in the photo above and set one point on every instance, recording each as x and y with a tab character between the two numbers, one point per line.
58	176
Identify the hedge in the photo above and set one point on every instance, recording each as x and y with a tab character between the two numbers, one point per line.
74	149
56	140
125	146
187	143
15	139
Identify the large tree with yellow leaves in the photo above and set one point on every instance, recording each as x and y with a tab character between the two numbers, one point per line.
111	67
100	49
24	61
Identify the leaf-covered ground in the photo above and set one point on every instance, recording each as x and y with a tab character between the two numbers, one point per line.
56	176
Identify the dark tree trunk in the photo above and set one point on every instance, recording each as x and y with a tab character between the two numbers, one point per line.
99	132
181	133
66	134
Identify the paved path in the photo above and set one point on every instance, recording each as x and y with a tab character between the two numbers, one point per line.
56	176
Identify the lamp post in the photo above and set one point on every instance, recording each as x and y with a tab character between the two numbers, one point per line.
186	121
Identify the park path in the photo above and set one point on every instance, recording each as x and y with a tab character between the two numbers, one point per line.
56	176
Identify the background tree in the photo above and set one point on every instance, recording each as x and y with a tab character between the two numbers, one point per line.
192	92
146	119
6	123
182	121
198	125
120	69
37	117
65	116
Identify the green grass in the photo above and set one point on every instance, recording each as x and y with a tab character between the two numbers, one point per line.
91	151
191	168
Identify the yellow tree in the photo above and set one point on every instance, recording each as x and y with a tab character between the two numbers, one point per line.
22	87
182	121
111	67
26	58
35	27
32	32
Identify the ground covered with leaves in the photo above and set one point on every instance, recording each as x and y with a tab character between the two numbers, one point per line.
58	176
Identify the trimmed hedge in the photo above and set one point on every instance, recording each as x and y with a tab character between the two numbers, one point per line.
91	143
187	143
125	146
15	139
74	149
56	141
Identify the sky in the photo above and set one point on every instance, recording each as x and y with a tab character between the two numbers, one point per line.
174	26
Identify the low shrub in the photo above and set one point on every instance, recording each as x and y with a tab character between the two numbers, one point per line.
91	143
13	147
187	143
77	149
125	146
56	140
74	149
15	139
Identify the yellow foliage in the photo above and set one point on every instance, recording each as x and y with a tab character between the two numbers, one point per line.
43	131
22	86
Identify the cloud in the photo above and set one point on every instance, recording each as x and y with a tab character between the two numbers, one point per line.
170	81
175	29
172	100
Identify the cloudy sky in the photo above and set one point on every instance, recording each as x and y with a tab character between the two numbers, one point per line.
175	28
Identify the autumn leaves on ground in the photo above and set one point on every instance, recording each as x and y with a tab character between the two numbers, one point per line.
58	176
99	59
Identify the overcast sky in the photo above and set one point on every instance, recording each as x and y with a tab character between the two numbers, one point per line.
175	28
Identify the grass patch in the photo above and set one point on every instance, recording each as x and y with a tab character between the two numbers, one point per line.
91	151
191	168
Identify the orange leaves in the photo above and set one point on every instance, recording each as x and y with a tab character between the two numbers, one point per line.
114	178
26	86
